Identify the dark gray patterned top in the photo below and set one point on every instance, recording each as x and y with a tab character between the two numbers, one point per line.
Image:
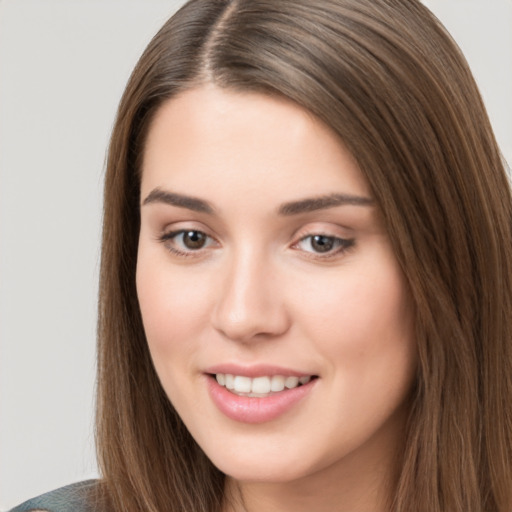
79	497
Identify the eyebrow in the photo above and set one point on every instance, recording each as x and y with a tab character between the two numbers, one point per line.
323	202
158	195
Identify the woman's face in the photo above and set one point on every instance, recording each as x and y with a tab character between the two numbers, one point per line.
263	266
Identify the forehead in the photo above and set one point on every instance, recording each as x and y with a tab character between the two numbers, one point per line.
210	137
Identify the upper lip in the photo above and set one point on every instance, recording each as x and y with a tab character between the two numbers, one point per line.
257	370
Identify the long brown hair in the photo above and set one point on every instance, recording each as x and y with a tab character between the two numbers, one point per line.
386	76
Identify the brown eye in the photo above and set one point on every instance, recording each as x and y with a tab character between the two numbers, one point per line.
326	245
194	239
186	242
321	243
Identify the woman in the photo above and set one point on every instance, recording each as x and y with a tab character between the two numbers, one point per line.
306	292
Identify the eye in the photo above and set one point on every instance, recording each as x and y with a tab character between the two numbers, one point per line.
186	241
324	244
192	239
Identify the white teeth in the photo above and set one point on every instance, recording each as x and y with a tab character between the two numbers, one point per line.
291	382
230	381
259	386
277	383
242	384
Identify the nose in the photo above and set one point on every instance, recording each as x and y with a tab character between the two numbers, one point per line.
250	302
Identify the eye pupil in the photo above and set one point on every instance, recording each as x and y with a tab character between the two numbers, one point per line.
321	243
194	239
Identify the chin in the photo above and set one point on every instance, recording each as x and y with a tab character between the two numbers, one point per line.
270	465
262	473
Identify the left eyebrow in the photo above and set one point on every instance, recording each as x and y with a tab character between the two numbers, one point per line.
323	202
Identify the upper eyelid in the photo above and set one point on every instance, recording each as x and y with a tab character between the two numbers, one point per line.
175	228
166	235
350	240
333	231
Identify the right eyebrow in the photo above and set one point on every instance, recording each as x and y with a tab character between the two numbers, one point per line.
323	202
158	195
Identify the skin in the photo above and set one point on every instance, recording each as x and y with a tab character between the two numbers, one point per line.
260	292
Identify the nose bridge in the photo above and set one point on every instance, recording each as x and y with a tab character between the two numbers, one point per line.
249	301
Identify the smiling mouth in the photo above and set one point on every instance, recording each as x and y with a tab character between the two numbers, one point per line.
260	387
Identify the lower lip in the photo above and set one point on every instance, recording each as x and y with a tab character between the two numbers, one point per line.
256	410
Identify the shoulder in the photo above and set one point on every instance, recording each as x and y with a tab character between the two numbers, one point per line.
78	497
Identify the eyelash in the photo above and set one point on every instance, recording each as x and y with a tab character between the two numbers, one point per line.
165	238
342	245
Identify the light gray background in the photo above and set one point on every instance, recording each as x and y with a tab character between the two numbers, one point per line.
63	66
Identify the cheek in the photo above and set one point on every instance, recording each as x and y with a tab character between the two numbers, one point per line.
364	329
363	305
363	321
174	309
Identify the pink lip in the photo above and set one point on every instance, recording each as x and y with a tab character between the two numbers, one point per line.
256	410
